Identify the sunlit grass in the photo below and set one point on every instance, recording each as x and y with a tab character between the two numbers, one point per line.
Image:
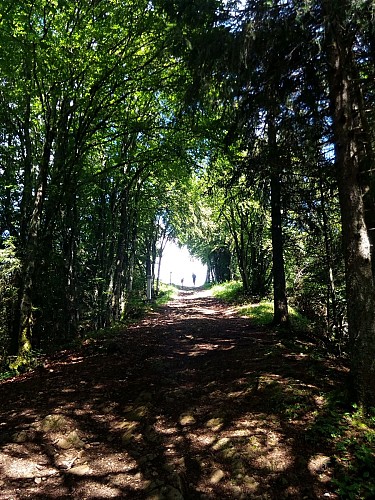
166	294
261	313
230	291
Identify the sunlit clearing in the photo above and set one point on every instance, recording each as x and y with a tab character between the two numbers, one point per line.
177	264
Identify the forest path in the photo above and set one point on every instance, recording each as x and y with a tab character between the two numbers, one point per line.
192	402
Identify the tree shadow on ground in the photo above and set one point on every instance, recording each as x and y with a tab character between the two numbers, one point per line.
192	402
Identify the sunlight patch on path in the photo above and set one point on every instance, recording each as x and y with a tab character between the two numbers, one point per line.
194	293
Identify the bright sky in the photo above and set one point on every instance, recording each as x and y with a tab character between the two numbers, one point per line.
181	264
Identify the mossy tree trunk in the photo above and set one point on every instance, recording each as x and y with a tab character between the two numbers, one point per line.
30	262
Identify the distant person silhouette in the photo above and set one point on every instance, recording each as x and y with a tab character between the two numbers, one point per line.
194	278
182	282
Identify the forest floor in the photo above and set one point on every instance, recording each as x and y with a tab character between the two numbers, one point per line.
191	402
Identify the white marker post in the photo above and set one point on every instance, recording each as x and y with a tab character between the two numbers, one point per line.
149	287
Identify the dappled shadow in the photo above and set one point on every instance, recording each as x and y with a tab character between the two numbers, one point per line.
192	402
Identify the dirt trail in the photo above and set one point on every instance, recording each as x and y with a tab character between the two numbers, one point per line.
192	402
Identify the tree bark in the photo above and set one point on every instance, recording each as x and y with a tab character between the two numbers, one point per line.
30	261
280	315
347	125
120	257
239	246
332	318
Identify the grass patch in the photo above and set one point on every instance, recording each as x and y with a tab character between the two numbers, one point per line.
166	294
230	291
262	314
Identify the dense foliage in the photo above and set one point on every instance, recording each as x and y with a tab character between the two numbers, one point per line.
244	129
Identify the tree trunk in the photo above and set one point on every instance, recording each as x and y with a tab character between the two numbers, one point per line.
280	315
239	247
163	239
118	276
357	250
30	260
332	318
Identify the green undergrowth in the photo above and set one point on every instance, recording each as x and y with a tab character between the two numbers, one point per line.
230	291
166	294
260	312
4	375
135	309
137	306
350	435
